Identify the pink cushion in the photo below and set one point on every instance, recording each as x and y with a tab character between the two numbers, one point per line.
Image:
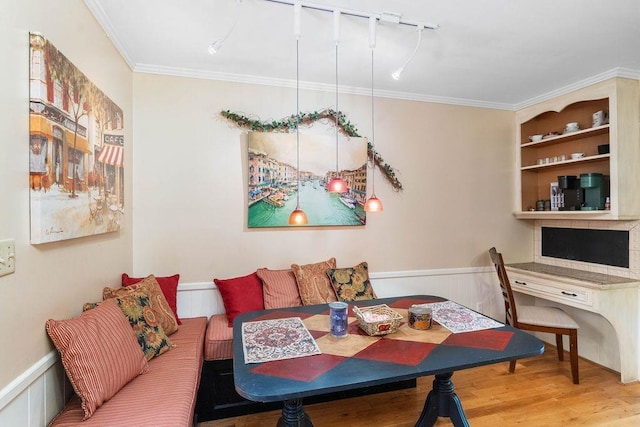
169	286
165	396
99	352
218	342
280	288
240	295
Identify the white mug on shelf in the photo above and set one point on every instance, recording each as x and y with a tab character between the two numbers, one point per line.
599	118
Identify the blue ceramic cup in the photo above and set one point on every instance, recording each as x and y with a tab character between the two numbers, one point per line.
338	317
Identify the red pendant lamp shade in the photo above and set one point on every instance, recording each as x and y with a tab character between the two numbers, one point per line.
337	185
298	217
373	204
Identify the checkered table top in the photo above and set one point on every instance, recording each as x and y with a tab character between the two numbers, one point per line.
360	360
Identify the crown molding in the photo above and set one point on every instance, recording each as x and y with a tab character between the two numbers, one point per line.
615	72
321	87
101	17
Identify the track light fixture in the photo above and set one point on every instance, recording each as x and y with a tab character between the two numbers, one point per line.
397	73
217	44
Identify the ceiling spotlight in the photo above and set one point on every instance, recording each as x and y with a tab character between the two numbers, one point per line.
216	45
397	73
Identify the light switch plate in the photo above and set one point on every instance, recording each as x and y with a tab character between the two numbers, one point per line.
7	257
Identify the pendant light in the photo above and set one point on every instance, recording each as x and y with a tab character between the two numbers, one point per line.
337	184
297	216
373	204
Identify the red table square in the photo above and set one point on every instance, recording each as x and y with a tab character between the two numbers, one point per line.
302	368
396	351
489	339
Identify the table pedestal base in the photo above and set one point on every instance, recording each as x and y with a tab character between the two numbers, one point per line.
442	401
293	415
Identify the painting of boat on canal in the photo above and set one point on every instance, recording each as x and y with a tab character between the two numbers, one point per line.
274	190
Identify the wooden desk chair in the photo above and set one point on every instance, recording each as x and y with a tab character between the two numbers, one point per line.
536	318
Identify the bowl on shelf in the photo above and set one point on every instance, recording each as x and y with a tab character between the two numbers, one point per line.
576	156
535	138
572	127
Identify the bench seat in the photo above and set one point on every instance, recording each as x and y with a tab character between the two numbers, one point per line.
164	396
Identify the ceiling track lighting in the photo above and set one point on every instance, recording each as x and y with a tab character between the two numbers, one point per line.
373	204
391	17
397	73
217	44
297	216
387	17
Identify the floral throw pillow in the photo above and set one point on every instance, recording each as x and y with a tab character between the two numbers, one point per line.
313	282
352	284
136	307
159	304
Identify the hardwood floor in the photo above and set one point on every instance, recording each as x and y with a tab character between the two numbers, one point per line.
540	393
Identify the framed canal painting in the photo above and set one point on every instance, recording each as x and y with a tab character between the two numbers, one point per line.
76	150
273	179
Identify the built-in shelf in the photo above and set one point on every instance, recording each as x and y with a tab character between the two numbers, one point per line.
566	162
598	130
537	174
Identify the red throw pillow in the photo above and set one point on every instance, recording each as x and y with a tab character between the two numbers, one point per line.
168	285
240	295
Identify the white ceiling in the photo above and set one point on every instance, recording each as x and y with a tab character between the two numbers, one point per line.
493	53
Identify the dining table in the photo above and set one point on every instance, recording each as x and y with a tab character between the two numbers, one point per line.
287	354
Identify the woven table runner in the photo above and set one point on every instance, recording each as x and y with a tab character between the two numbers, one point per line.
277	339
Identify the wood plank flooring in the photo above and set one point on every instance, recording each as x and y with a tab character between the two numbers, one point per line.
540	393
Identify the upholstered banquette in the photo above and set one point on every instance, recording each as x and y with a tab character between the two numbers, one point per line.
130	359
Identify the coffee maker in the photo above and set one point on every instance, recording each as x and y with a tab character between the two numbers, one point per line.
596	190
572	193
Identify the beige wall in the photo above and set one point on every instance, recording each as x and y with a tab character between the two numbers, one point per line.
54	279
456	164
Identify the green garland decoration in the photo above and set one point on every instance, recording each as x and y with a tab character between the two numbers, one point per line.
288	124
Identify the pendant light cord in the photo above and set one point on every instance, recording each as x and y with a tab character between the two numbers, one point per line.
337	109
373	136
298	121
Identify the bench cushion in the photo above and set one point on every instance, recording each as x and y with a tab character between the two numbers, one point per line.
164	396
218	344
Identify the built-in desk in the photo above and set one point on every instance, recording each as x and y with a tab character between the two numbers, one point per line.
615	298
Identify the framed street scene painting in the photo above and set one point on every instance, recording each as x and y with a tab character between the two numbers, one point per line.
76	150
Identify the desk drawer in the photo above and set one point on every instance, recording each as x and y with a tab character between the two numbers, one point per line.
554	291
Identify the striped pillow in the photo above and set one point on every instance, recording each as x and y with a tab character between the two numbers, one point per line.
99	352
280	288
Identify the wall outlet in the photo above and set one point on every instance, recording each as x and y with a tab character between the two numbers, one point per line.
7	257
